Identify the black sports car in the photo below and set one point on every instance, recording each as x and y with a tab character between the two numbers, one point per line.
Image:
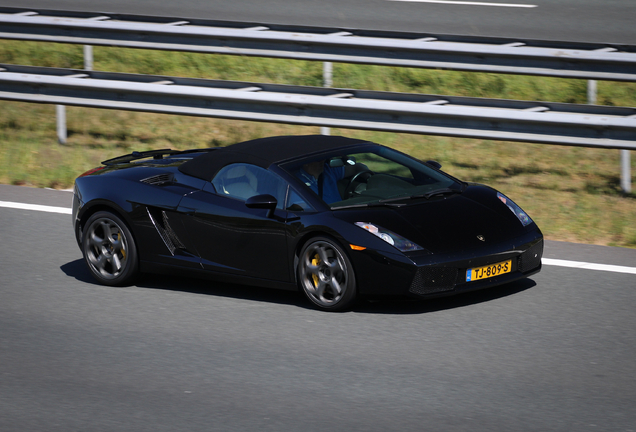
335	217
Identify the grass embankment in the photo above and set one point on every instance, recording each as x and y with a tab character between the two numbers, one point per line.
573	193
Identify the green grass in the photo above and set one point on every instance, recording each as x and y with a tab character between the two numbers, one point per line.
573	193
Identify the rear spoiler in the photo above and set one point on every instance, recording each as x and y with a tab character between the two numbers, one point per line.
155	154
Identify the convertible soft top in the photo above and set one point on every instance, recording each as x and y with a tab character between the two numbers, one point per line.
263	152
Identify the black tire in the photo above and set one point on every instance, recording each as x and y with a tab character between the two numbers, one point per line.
109	249
325	275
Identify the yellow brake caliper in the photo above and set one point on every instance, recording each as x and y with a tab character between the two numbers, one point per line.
315	261
123	251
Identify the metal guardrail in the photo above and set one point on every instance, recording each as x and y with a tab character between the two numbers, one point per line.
538	122
543	122
479	54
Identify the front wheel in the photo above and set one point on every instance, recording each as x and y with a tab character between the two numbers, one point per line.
325	275
109	249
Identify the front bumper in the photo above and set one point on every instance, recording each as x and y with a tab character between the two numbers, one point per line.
428	275
451	277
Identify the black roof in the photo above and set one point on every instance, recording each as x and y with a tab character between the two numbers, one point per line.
263	152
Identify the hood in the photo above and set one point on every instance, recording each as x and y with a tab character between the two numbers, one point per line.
470	220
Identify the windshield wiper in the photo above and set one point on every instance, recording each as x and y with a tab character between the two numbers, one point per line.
427	195
371	204
389	202
442	191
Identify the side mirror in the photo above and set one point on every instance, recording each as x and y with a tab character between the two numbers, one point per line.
265	201
434	164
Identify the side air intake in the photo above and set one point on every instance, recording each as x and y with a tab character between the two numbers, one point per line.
165	231
159	179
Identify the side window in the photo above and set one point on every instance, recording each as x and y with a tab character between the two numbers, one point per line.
243	181
296	203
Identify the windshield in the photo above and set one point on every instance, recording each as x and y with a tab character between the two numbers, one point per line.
375	175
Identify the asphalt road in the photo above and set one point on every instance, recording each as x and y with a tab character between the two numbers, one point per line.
609	21
553	353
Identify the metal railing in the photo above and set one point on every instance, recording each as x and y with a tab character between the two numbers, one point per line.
543	122
422	50
538	122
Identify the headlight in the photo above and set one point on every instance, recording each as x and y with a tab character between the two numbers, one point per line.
395	240
521	215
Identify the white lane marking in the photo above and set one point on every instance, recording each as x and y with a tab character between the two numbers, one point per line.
35	207
589	266
470	3
546	261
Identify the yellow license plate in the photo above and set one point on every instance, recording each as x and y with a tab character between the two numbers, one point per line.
491	270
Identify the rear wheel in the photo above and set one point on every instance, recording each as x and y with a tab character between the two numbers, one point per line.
325	275
109	249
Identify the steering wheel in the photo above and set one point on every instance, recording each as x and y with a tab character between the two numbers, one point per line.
360	177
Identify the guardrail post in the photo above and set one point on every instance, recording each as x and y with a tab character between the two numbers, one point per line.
88	57
60	112
591	92
327	81
626	176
